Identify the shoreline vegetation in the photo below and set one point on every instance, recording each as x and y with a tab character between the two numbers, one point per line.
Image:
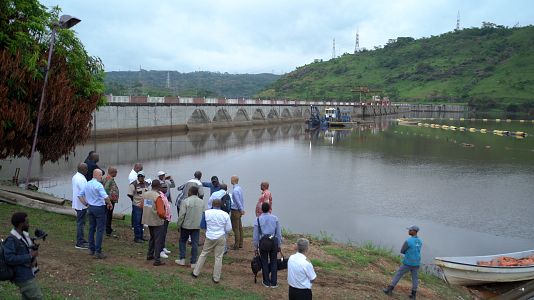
344	271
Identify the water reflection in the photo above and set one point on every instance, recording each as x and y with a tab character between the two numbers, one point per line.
363	183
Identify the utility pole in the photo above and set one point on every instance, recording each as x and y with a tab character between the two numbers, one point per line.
458	21
333	48
357	44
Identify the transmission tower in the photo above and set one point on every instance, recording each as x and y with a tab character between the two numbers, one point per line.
458	21
168	80
357	45
333	48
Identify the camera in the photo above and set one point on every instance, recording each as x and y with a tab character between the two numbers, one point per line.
39	235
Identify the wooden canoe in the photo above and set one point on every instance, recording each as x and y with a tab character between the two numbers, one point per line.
464	270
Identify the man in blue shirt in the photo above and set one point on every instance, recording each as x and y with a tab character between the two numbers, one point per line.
411	261
238	210
267	237
213	185
94	195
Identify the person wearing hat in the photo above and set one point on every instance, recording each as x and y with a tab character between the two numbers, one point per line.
136	192
411	261
166	181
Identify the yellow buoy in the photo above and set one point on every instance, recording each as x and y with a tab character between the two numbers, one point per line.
444	127
472	119
462	119
518	133
451	119
453	128
484	120
483	130
431	119
521	121
419	124
497	120
461	128
472	129
520	137
508	120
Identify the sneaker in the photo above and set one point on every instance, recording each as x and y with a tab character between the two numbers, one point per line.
265	285
274	286
149	257
145	239
99	256
82	246
214	281
193	266
388	291
193	275
163	255
166	251
158	263
180	262
140	241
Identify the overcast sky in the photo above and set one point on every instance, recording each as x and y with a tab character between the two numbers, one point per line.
247	36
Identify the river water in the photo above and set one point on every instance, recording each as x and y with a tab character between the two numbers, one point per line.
470	193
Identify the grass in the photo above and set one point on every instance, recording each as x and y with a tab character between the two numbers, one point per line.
125	274
107	279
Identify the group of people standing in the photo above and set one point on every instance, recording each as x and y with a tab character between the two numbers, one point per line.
95	196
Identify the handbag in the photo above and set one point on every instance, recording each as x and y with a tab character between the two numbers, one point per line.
281	262
255	265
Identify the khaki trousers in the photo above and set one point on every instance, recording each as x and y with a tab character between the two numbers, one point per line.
237	227
217	246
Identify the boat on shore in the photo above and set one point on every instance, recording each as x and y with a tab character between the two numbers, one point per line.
466	270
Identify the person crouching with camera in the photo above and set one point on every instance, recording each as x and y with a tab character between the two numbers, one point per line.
20	253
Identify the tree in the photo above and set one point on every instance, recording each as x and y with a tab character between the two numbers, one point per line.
74	90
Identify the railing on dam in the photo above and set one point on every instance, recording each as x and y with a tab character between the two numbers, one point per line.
234	101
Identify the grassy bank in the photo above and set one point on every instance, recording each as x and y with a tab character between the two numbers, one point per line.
344	271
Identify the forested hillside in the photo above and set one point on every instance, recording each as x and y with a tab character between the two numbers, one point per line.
487	67
195	84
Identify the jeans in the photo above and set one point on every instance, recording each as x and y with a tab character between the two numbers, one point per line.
269	266
404	269
184	236
80	226
237	227
109	217
155	244
137	215
97	222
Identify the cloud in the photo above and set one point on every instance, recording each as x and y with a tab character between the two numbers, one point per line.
239	36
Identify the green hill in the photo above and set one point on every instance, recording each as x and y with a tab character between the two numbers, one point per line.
488	67
195	84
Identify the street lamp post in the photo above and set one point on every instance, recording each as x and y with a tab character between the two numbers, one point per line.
65	21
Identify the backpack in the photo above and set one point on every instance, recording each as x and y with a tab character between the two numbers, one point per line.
6	271
226	203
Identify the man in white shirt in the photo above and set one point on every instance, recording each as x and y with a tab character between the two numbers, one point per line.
78	185
300	273
133	173
217	224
